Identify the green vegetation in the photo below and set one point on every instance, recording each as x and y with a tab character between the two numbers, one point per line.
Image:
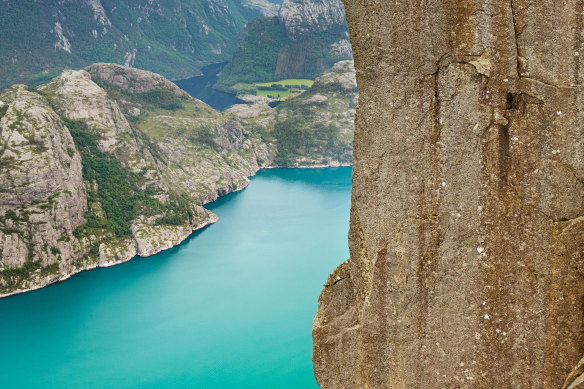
154	99
50	269
177	211
269	53
14	276
289	83
118	191
314	132
170	41
3	110
275	89
117	188
161	98
257	56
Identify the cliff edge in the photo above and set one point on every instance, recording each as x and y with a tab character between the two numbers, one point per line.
467	221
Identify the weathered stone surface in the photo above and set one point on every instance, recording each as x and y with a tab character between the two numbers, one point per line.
135	81
175	152
467	223
299	16
576	378
42	196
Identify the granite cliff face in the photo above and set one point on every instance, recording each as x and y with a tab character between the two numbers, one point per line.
103	164
467	222
42	196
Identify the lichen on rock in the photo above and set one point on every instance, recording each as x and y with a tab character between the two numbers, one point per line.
467	229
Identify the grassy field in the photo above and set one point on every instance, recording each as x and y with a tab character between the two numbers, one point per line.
292	81
284	89
274	94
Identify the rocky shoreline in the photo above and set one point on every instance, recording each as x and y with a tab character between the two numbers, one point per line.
108	262
131	253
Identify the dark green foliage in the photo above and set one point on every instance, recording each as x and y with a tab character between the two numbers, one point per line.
257	56
55	250
11	215
50	269
38	145
268	53
290	140
3	110
170	40
156	98
177	211
7	162
118	189
162	98
94	250
274	87
301	135
14	276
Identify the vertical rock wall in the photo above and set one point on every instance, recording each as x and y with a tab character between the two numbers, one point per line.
467	223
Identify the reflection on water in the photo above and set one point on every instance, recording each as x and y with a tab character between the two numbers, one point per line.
201	87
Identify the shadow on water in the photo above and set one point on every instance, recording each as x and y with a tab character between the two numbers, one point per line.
201	87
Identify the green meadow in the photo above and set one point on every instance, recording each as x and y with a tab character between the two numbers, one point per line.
276	89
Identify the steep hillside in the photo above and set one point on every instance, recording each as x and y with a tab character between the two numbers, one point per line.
467	216
103	164
314	128
174	38
43	198
306	38
107	163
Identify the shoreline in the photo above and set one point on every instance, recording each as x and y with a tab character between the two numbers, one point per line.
212	220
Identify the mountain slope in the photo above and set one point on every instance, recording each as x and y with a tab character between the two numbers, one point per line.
314	128
174	37
306	39
103	164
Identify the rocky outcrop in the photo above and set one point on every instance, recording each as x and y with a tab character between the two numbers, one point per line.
135	81
467	221
302	16
264	6
42	196
103	164
142	142
322	118
306	39
312	25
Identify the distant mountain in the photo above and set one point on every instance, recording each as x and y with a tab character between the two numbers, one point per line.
171	37
303	41
106	163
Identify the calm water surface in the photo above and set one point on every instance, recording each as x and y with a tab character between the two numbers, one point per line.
230	308
201	87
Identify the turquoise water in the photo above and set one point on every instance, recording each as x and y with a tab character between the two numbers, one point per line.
230	308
